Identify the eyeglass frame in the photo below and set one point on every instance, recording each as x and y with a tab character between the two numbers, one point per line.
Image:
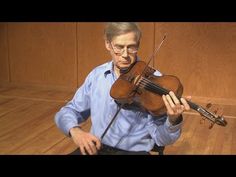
123	49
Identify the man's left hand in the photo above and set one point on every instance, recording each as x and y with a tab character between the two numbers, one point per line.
174	107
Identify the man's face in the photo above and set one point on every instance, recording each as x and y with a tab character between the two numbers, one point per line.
123	49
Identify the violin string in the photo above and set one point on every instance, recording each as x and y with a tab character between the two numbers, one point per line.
149	83
145	83
151	88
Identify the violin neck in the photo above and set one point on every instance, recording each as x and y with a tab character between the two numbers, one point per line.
210	116
207	114
193	105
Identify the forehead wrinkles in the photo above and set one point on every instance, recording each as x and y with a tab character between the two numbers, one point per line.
125	39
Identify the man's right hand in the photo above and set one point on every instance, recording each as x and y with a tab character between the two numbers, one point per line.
87	143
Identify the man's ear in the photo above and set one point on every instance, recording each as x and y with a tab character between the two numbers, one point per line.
107	45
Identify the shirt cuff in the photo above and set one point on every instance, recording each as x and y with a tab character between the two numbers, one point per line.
172	128
68	127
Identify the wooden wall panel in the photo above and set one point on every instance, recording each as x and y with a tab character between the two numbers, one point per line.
202	55
4	64
147	41
91	46
48	54
60	55
43	54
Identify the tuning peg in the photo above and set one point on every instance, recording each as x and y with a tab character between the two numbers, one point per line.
220	112
208	105
216	110
202	120
211	125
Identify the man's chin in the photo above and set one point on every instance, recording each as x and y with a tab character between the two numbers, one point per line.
124	67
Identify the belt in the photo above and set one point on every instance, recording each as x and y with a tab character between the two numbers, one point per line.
108	150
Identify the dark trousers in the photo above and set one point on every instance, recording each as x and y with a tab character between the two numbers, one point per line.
108	150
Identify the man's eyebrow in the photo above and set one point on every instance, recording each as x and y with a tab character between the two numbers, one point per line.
119	45
131	45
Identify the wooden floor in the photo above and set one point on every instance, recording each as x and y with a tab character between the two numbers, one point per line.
27	126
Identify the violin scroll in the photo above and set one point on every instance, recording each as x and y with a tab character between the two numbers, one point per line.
215	116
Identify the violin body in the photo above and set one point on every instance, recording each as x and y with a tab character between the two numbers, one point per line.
144	90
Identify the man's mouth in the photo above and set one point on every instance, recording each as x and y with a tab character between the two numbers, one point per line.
125	63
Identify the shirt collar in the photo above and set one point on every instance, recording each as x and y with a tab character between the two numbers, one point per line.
108	68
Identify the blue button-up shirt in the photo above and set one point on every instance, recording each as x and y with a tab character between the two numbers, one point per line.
132	130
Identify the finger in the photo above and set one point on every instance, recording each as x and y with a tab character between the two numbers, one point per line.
97	143
174	98
82	150
171	103
185	104
92	147
169	109
88	149
179	109
188	98
183	108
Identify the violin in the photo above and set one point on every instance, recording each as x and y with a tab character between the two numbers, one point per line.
138	87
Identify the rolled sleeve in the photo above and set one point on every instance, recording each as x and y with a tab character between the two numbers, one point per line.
163	132
172	128
66	119
77	110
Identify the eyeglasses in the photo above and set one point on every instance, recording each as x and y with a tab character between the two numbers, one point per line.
119	50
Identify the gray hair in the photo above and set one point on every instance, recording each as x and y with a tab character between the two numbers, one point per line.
114	29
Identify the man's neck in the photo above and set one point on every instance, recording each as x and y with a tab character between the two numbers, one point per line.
117	71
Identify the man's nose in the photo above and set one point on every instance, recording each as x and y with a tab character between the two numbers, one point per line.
125	53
